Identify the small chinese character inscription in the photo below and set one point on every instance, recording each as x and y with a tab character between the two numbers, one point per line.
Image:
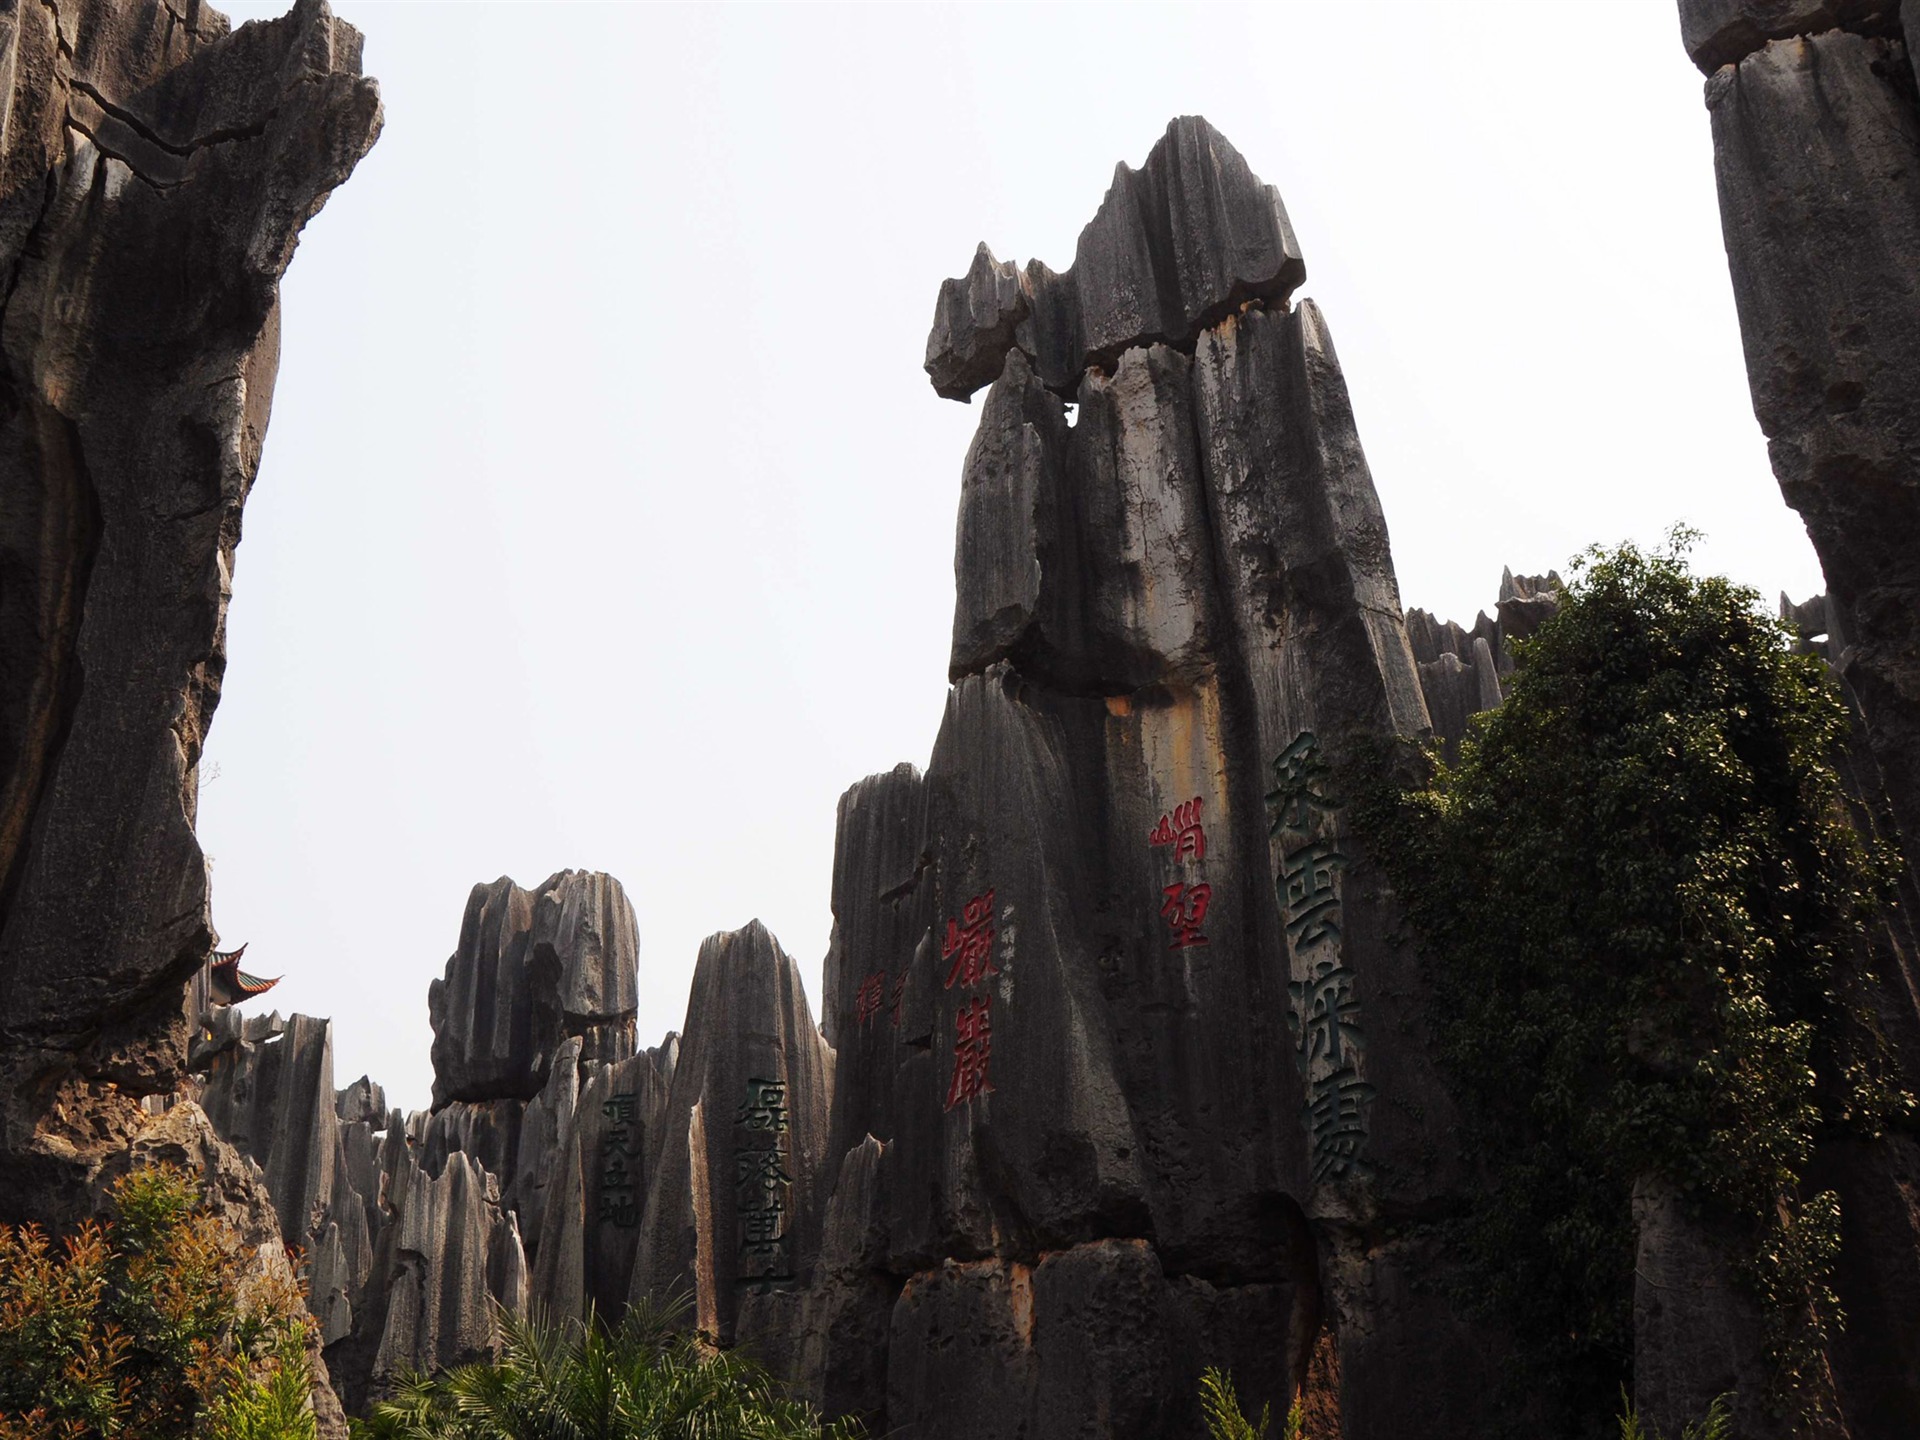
1329	1043
969	943
1185	911
1299	784
972	1049
619	1176
1181	829
765	1107
762	1186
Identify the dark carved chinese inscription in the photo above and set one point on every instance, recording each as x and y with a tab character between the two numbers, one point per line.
763	1186
1329	1044
619	1163
1184	903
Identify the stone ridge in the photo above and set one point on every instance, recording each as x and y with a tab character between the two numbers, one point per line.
1725	32
1175	246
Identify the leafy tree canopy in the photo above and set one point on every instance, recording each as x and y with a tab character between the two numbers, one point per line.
1643	903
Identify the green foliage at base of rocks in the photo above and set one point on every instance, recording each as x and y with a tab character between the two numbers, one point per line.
1642	904
158	1325
1226	1421
1716	1424
645	1379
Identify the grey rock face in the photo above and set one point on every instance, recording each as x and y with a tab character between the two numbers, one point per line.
842	1352
1725	32
1174	247
453	1249
974	325
533	967
1877	1370
1817	149
735	1200
155	173
1696	1332
881	916
1007	502
162	171
1094	1341
1461	671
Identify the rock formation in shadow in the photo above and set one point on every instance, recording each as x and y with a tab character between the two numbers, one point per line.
156	168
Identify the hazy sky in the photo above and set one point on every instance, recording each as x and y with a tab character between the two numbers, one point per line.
607	517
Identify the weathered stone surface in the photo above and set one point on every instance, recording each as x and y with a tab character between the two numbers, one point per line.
1174	246
1724	32
1525	603
974	325
1008	498
533	967
453	1249
163	170
1696	1331
960	1357
1043	1152
1817	149
1461	671
275	1100
1094	1341
1877	1369
267	1088
743	1135
842	1355
363	1101
881	914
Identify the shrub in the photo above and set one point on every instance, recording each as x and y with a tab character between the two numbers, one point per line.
1641	902
152	1326
1718	1424
643	1378
1225	1421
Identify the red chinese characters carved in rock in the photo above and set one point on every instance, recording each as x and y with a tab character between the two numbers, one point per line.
871	995
1180	828
1185	911
969	943
972	1049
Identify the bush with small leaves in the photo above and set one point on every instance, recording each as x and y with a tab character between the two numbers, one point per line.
155	1325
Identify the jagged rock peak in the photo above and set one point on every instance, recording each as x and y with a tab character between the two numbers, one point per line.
1463	670
1175	246
534	967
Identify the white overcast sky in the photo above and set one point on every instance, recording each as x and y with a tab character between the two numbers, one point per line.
606	518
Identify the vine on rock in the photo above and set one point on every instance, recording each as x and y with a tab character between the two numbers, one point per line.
1642	905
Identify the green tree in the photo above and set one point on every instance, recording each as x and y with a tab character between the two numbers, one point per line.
645	1379
1642	904
153	1326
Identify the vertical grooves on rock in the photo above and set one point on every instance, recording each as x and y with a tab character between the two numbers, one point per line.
68	540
